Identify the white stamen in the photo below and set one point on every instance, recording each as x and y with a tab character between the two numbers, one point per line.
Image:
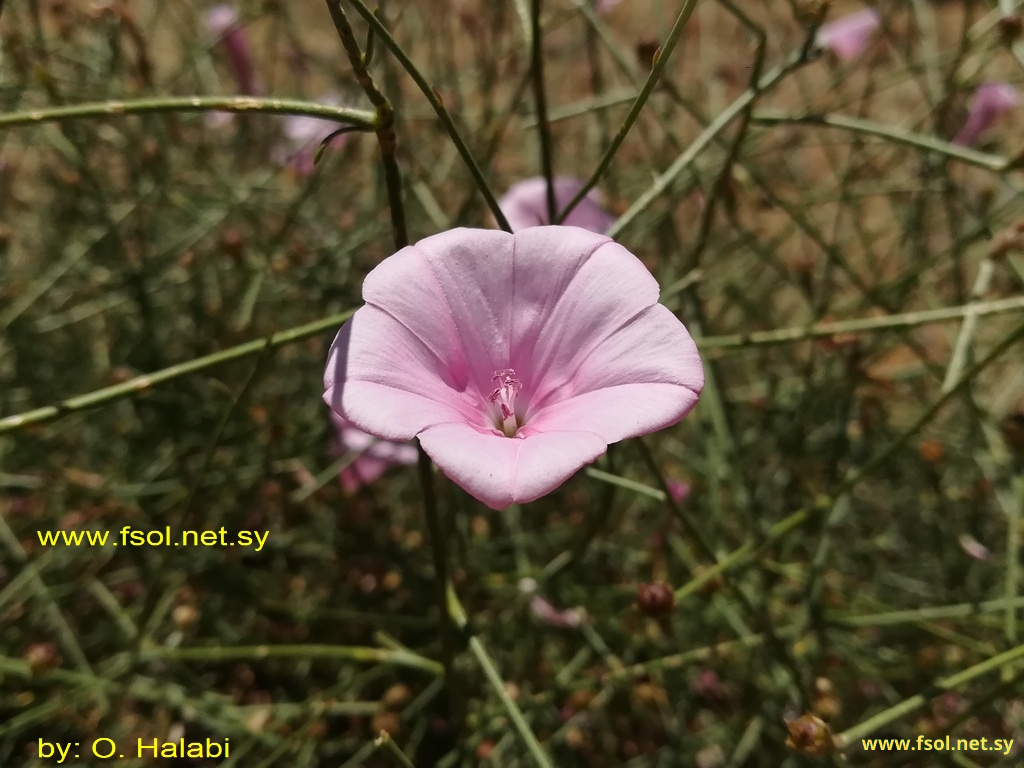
505	397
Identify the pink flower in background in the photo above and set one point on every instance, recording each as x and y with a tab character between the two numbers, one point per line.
222	23
569	618
374	458
604	6
526	205
303	135
515	359
678	490
849	35
989	102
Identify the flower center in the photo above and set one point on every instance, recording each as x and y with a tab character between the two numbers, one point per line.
505	397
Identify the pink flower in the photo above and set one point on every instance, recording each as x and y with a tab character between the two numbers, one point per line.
303	135
222	23
849	35
604	6
989	102
375	456
526	205
678	490
570	618
515	359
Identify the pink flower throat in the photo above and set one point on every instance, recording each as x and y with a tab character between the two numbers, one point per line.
505	396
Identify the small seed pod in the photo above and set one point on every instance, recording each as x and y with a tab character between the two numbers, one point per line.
42	657
1010	28
810	735
655	600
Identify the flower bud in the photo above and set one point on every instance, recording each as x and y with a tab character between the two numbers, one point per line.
655	600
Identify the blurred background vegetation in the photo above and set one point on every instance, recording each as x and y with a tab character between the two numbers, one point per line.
854	467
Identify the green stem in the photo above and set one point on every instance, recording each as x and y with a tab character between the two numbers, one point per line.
442	582
782	528
434	98
387	139
903	320
661	60
398	658
891	133
543	128
140	384
490	670
905	707
248	104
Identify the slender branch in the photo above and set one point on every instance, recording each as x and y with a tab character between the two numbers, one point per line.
434	98
709	134
493	676
398	658
249	104
442	579
385	122
908	705
891	133
785	526
661	60
543	128
141	384
820	330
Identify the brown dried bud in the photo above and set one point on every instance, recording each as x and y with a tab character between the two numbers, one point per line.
385	721
396	696
931	451
232	244
1012	427
42	657
185	616
1010	28
812	11
655	600
810	735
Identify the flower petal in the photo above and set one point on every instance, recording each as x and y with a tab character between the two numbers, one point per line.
645	376
525	204
383	379
849	35
499	471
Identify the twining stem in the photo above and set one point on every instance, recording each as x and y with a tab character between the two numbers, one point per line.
661	60
493	676
543	128
435	100
249	104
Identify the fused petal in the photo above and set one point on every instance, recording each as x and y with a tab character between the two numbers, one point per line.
849	35
989	102
515	358
526	204
500	471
